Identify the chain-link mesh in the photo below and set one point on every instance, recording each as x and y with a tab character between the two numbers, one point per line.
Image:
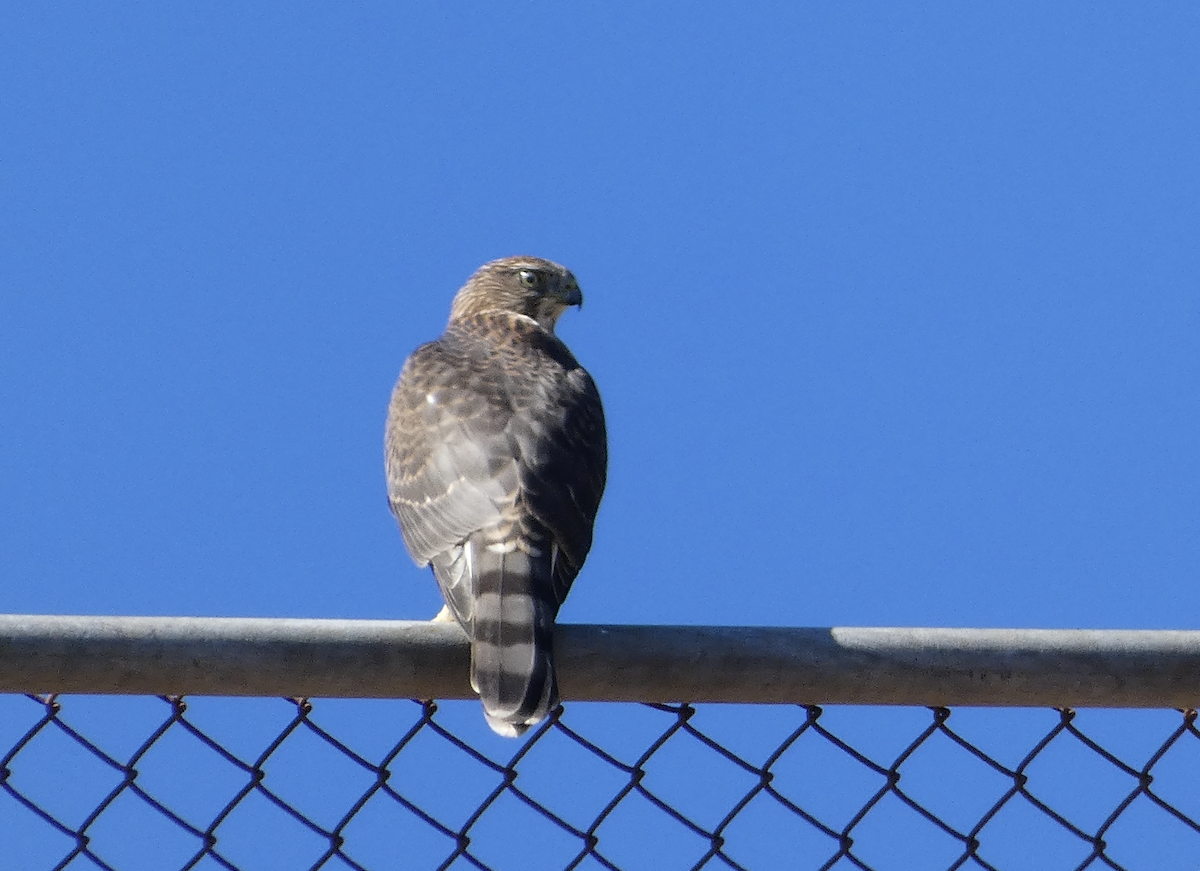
146	782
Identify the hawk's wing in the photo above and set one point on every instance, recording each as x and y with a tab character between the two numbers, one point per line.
563	446
495	429
451	468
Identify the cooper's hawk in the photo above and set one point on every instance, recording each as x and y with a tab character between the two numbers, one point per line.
496	453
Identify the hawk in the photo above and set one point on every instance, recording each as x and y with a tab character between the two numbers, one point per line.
496	456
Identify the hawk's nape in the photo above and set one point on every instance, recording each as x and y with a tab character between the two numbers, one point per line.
496	454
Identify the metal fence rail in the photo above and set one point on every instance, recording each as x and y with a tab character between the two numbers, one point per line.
407	659
156	780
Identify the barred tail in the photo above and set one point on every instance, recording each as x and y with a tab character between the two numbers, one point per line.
511	663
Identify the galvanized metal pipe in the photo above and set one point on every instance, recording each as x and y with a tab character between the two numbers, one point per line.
391	658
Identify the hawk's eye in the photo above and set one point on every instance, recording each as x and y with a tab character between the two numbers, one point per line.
529	278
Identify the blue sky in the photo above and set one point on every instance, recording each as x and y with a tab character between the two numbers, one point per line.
894	310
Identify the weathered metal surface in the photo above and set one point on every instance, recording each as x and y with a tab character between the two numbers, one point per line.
382	658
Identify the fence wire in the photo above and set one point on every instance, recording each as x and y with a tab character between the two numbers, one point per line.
126	783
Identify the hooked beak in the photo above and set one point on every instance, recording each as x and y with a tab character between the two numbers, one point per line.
570	294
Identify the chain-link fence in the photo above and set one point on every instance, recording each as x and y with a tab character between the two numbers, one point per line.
159	782
132	782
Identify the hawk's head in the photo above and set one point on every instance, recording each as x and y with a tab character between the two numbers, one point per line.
530	286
